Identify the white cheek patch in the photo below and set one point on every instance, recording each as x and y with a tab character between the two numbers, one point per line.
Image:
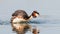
36	15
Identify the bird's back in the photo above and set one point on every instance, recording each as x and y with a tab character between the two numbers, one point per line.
21	13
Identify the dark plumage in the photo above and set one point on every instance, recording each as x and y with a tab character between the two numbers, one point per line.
20	13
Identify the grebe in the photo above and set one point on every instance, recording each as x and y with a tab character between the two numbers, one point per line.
19	16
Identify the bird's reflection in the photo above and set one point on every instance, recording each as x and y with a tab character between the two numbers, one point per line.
23	28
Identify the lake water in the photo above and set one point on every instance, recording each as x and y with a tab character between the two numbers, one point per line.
47	23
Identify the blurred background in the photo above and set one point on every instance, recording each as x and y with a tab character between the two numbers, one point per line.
48	21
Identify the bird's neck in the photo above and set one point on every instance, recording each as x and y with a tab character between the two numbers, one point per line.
29	17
